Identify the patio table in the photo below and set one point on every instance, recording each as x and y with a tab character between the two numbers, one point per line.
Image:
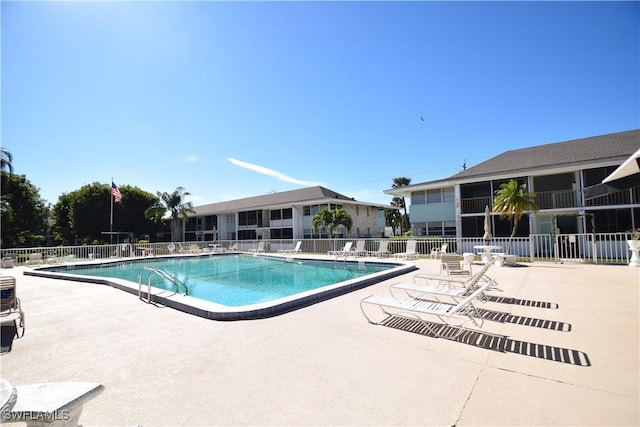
486	254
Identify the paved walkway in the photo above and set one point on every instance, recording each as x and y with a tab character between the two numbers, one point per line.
573	359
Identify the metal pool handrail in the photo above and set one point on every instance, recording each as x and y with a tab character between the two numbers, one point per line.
177	283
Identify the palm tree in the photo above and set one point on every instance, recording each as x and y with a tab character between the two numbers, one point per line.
393	216
511	201
398	183
5	160
331	220
342	217
323	219
174	204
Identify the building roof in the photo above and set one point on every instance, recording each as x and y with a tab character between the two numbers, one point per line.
601	150
307	195
614	147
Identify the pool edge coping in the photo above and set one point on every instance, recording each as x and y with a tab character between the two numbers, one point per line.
214	311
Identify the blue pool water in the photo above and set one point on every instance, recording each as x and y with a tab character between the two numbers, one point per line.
235	280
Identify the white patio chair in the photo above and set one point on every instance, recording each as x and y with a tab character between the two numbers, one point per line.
259	248
346	250
359	249
382	249
410	251
438	252
452	265
296	249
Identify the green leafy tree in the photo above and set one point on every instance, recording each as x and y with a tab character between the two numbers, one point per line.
24	212
332	220
129	214
62	218
175	204
511	201
401	202
85	215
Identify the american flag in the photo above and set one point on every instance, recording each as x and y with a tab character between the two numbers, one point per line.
115	191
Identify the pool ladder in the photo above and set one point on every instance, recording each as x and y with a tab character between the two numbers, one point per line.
160	272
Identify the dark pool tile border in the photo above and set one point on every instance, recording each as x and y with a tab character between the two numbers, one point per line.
259	311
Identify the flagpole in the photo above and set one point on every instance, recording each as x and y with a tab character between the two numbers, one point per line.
111	220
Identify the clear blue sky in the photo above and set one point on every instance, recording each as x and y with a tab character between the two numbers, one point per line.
236	99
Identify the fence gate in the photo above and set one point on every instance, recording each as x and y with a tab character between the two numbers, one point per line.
574	248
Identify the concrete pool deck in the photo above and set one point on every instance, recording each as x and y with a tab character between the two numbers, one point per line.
325	365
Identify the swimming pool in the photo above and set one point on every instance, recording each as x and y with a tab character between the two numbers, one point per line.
233	286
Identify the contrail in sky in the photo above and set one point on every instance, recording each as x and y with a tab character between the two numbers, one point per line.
271	172
190	158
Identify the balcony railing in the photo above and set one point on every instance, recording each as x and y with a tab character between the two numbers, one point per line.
476	204
558	199
545	200
622	197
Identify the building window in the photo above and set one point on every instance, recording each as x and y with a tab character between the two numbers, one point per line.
231	218
192	224
281	233
419	229
418	198
250	218
434	196
472	226
277	214
434	228
210	221
320	234
311	210
448	195
439	228
247	235
449	228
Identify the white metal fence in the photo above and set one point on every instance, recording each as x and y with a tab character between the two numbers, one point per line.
593	248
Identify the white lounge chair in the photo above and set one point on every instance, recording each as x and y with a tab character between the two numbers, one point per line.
434	316
183	250
259	248
34	258
295	250
410	251
359	249
451	265
346	250
433	278
438	252
10	309
445	291
55	404
382	249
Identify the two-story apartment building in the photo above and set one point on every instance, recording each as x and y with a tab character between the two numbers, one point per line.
281	215
558	173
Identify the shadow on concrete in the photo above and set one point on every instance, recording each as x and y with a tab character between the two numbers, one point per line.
489	341
525	302
501	317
